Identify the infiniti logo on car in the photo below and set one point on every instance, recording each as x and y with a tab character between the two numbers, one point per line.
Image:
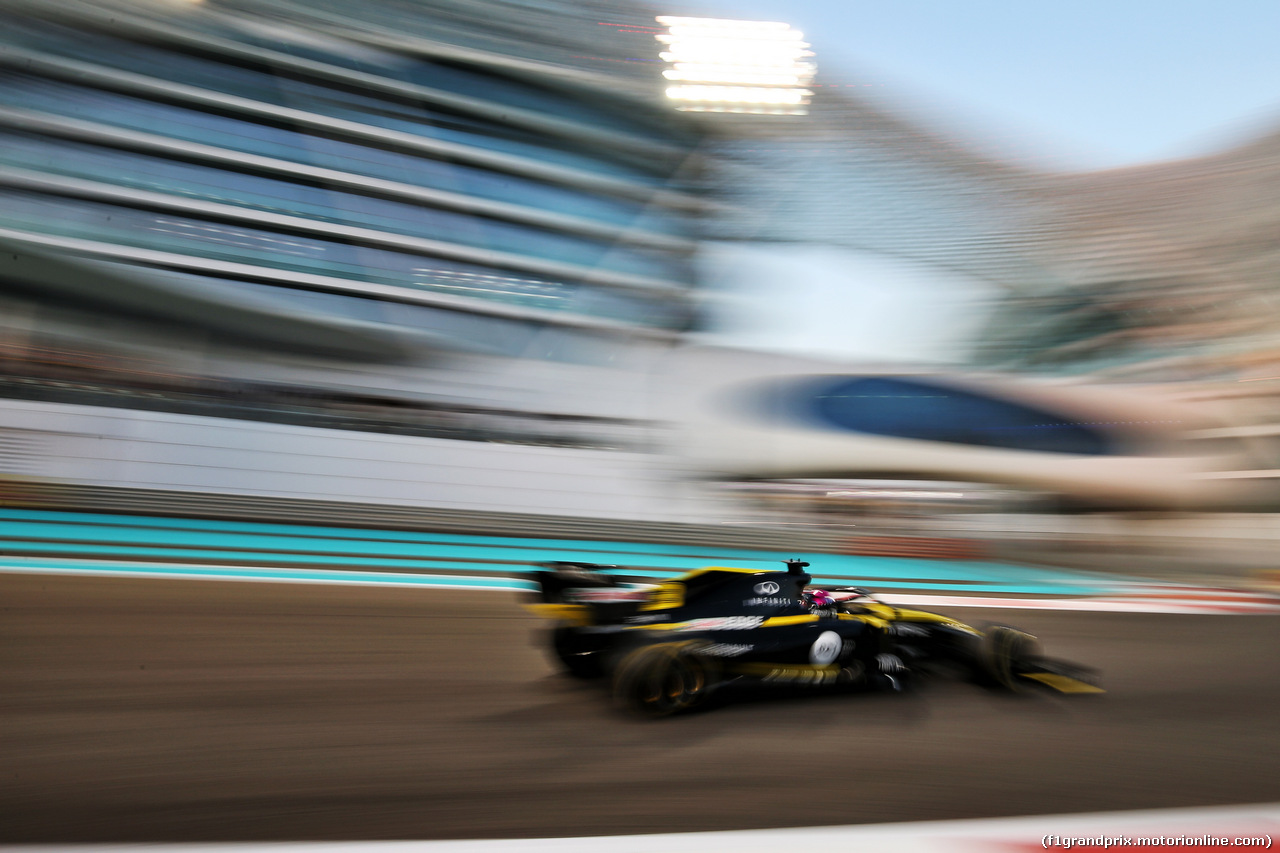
767	588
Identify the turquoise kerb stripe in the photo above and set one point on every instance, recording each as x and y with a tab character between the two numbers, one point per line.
76	536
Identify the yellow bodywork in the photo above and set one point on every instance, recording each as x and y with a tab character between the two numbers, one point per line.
792	672
1062	683
570	614
669	595
665	596
880	614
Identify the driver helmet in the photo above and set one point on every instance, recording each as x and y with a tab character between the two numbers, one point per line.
819	599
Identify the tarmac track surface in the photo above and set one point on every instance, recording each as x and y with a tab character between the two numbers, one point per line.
144	710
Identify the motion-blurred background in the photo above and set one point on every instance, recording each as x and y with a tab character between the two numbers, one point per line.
444	288
593	262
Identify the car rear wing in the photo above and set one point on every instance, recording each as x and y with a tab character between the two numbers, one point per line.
558	576
584	594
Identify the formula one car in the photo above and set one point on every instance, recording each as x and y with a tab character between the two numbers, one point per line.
669	646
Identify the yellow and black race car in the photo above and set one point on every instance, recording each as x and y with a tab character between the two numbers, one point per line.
668	646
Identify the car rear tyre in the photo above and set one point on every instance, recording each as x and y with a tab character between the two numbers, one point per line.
665	679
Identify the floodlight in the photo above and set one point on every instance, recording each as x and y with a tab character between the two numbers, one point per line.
736	66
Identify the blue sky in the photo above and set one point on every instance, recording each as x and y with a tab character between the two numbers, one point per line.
1080	85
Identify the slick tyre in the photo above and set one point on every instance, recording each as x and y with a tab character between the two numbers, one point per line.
1006	653
664	679
576	655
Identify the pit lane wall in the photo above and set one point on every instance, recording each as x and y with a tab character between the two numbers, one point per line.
69	457
62	445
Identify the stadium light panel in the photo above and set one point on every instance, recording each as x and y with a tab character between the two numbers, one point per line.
724	66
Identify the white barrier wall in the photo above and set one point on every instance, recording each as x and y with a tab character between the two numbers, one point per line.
88	445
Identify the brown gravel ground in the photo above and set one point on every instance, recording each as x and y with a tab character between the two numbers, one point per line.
156	710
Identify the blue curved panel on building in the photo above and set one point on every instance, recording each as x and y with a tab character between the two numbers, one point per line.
926	410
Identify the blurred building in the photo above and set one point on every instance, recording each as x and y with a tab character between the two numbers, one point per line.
1156	273
462	240
443	222
1159	272
279	175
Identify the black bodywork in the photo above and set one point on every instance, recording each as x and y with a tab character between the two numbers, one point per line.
668	646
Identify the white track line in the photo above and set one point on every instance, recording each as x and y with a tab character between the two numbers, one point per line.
1004	835
1190	601
185	571
1153	599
